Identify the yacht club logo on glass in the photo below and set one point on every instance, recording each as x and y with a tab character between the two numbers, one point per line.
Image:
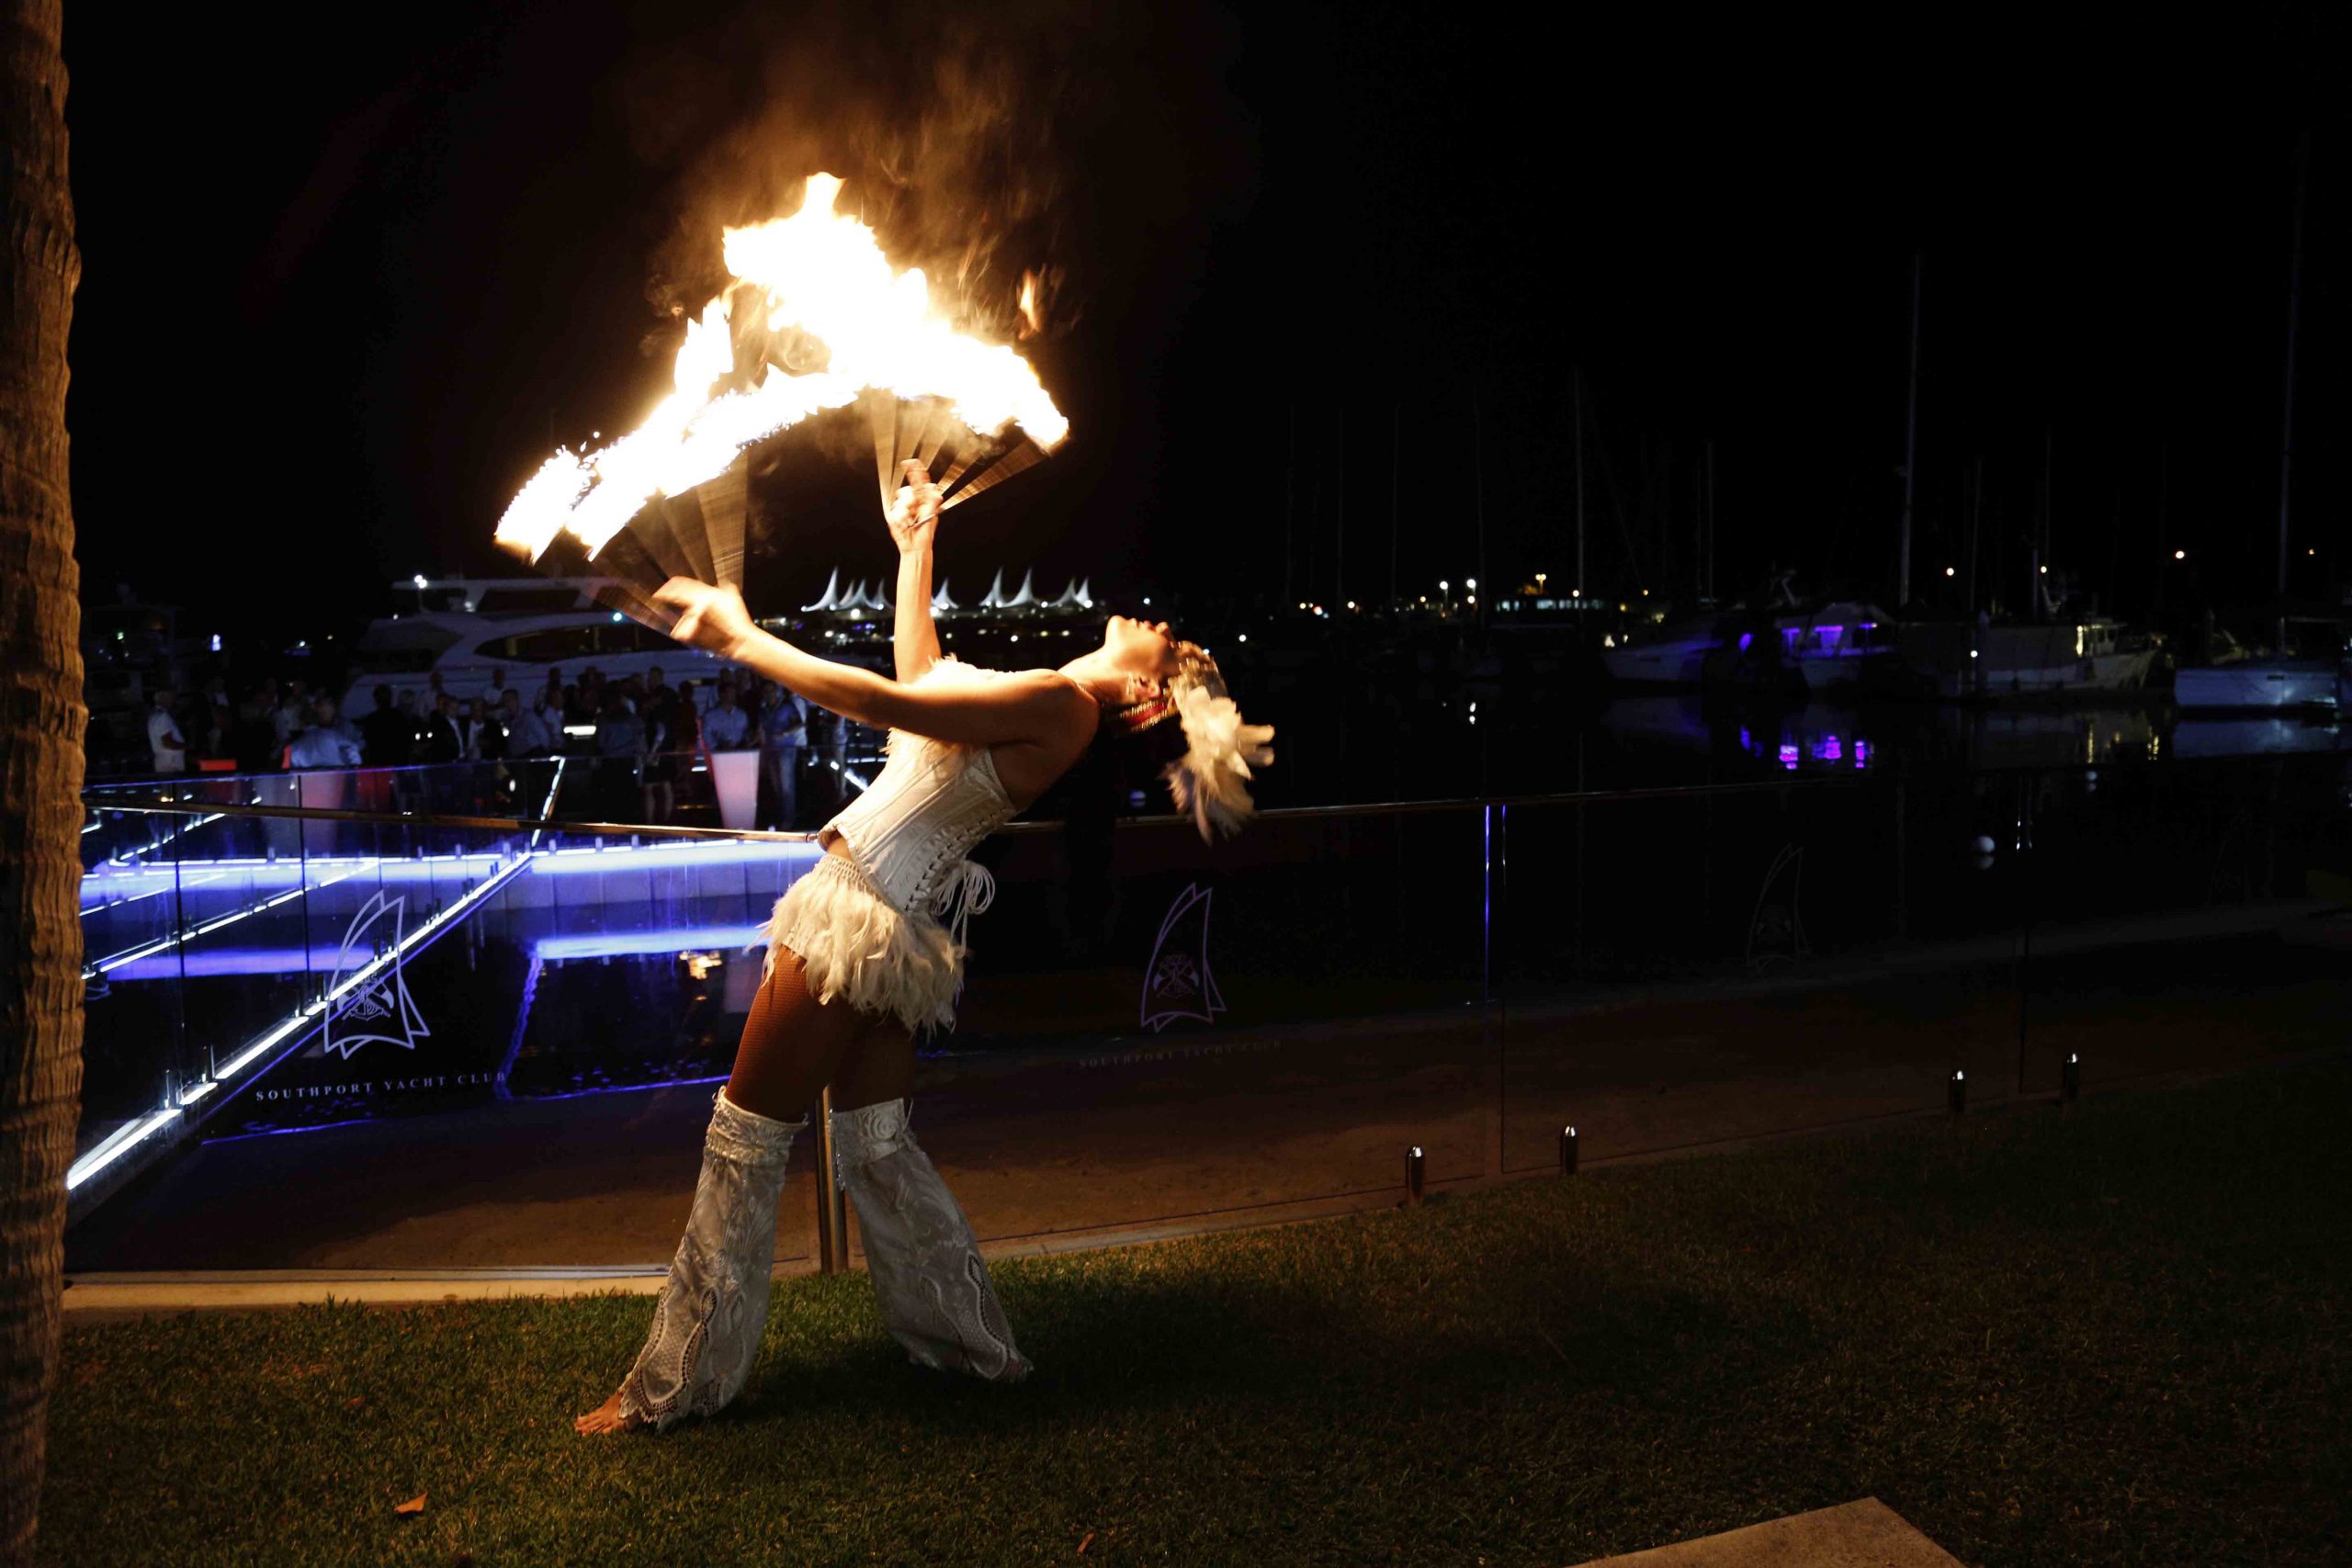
380	1007
1177	982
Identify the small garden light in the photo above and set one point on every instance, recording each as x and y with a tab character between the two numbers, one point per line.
1413	1174
1958	1091
1567	1150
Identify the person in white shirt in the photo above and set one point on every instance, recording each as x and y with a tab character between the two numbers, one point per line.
328	743
164	738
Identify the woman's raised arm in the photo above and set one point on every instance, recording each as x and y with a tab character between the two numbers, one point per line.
914	518
1036	706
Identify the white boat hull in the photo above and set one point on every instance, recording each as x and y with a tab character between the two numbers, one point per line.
1960	664
1678	664
2261	683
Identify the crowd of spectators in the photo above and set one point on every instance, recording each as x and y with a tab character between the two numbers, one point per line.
643	737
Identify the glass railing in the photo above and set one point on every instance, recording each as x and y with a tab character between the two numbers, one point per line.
466	1016
794	789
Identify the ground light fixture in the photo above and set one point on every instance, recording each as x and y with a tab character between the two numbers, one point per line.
2070	1078
1957	1092
1414	1174
1567	1150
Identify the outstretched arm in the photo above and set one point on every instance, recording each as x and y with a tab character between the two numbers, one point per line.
1036	706
913	518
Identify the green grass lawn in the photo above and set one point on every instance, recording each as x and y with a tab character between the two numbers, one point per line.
2114	1336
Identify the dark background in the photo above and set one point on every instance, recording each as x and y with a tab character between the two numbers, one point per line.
345	282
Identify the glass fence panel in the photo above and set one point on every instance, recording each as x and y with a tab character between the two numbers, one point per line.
2188	915
497	1045
1692	968
1155	1028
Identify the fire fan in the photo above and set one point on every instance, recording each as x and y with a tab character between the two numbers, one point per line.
814	318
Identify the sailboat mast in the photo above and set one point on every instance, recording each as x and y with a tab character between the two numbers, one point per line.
1711	521
1396	458
1576	379
1479	473
1910	448
1290	503
2287	430
1339	522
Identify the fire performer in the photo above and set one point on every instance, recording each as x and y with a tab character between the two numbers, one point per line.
859	961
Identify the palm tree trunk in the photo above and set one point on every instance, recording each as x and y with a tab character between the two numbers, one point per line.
42	719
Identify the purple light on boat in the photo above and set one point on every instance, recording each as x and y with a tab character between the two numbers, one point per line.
1861	752
1788	757
1829	636
1745	638
1829	750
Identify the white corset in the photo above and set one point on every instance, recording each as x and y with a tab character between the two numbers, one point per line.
930	804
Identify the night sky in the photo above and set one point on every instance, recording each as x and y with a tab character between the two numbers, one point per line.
343	283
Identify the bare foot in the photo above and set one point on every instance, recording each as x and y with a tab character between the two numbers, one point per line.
607	1417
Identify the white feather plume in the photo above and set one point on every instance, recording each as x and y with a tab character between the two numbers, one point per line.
1207	781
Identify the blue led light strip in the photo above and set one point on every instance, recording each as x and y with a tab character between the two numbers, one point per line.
292	1030
116	961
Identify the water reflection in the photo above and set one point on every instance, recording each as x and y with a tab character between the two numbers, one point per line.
1817	737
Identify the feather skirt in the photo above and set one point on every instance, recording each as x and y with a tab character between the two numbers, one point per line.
859	948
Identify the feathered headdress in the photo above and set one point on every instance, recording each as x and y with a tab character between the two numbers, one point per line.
1209	781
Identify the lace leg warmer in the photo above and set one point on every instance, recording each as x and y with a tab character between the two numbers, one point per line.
928	1277
707	1323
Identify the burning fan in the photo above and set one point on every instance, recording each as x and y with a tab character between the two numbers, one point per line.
815	319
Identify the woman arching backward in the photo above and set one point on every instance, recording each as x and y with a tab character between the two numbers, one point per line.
867	948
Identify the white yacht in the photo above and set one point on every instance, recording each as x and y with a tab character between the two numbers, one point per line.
2265	684
1958	660
464	628
1828	646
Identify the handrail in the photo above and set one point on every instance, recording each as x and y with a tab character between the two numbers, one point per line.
1274	813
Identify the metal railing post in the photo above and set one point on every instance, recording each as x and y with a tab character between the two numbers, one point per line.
832	1211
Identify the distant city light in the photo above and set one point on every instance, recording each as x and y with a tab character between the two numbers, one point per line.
1469	583
1245	637
1949	571
616	615
418	580
1444	586
216	642
2180	555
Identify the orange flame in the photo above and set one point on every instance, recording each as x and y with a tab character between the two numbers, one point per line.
819	274
1031	324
